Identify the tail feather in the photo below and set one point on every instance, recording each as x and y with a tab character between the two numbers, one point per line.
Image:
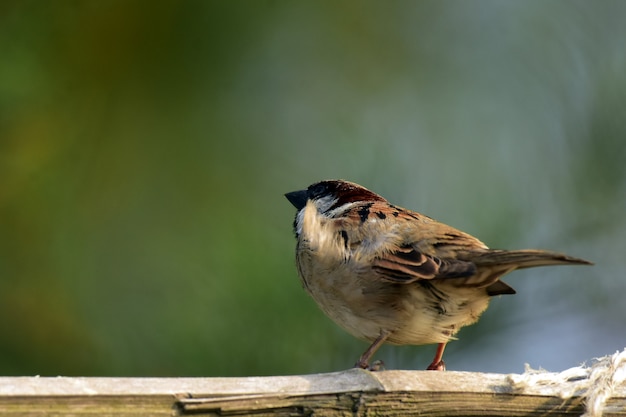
526	258
493	264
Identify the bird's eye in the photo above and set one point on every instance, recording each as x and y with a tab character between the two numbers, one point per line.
318	190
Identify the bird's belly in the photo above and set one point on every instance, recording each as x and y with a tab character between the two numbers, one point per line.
350	311
436	312
415	314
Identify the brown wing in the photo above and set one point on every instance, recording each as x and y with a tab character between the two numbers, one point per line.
407	265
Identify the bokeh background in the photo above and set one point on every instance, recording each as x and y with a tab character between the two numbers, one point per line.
145	147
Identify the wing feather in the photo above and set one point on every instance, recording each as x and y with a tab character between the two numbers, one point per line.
407	265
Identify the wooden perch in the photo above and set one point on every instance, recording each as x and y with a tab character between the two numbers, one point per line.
354	392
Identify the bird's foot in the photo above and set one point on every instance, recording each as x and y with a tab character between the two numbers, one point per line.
437	366
375	366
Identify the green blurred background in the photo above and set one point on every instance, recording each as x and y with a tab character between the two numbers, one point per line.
145	147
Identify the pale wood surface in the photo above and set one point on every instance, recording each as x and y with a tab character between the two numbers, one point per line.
354	392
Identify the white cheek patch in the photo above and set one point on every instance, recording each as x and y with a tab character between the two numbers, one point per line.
311	226
320	233
324	203
312	211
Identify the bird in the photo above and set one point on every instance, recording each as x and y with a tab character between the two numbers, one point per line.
386	274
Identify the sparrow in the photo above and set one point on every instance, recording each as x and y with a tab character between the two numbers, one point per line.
387	274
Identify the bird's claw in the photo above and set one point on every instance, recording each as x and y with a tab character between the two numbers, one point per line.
437	366
375	366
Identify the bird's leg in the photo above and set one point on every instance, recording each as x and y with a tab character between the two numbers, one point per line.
363	361
438	364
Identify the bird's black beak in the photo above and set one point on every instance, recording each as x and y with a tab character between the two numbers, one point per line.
298	198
